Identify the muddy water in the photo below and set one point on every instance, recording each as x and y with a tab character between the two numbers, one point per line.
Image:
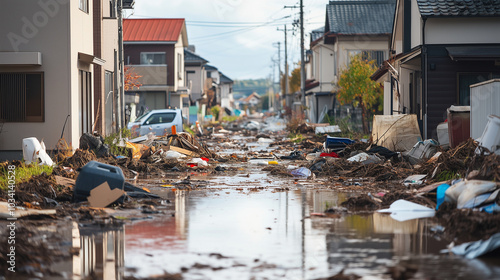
245	225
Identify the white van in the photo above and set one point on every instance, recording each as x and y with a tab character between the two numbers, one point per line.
159	122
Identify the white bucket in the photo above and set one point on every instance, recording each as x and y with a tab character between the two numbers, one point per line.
491	135
34	151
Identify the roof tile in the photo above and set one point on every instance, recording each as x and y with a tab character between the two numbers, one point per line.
164	29
459	8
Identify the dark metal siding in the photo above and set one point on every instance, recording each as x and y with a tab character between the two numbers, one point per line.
443	83
134	52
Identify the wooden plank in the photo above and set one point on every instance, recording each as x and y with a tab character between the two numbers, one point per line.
184	151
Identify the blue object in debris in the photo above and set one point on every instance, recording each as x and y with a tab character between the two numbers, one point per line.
441	190
335	142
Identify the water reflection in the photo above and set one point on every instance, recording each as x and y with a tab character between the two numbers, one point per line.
233	234
98	252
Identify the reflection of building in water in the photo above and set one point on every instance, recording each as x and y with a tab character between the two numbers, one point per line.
160	234
101	253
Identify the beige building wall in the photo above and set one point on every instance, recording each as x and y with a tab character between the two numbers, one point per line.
28	26
361	43
179	64
462	31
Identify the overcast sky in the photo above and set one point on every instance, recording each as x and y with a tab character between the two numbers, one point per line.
239	36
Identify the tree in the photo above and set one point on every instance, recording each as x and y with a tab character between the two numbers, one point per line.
131	79
293	81
357	87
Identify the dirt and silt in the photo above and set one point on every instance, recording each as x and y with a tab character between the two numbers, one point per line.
242	218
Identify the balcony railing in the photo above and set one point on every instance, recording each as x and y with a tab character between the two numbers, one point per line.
152	75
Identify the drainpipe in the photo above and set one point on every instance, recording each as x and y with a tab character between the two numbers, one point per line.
424	70
116	99
121	68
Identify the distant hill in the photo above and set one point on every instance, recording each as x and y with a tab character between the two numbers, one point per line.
246	87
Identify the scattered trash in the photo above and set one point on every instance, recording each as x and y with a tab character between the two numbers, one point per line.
458	124
476	249
396	132
102	195
301	172
442	135
265	140
417	179
94	143
337	143
402	210
92	175
421	150
34	151
441	193
7	211
383	151
491	136
467	194
294	155
332	154
199	162
365	158
327	129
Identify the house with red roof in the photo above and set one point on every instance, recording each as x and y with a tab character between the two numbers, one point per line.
154	49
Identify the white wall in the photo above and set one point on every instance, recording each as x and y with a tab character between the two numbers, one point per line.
416	25
179	73
81	40
462	30
45	29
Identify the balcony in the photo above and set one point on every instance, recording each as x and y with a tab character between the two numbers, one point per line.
152	75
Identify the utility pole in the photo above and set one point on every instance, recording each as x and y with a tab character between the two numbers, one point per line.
279	65
285	93
302	51
302	62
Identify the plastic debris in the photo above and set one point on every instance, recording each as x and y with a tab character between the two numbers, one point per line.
301	172
464	191
417	179
403	210
365	158
475	249
34	151
440	194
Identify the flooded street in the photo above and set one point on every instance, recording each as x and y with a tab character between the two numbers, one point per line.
246	224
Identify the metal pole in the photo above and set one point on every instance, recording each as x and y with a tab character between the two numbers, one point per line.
286	66
121	112
302	63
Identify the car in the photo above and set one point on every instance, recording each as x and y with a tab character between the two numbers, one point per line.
159	122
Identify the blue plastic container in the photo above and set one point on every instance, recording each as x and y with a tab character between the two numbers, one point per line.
336	142
92	175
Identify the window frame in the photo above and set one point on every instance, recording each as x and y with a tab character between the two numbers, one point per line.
26	118
143	54
83	5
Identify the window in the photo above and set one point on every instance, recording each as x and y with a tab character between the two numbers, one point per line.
84	5
21	97
153	58
378	56
161	118
112	8
179	66
85	89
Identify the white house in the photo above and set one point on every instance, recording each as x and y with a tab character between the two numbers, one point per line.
47	59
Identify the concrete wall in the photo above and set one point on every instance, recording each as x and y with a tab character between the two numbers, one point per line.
324	71
32	26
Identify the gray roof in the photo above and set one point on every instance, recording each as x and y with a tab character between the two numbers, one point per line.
459	8
317	33
360	16
225	79
210	67
191	57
